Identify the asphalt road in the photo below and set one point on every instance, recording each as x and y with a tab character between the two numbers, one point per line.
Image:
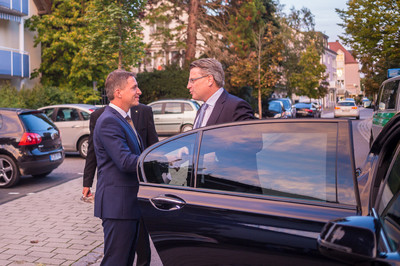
73	165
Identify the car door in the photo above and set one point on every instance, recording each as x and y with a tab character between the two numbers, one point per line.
71	127
247	193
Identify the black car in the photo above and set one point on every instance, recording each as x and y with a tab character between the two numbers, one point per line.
274	109
307	110
245	194
30	144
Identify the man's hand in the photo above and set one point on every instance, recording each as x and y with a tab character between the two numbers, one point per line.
86	192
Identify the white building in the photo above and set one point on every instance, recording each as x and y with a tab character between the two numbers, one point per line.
18	56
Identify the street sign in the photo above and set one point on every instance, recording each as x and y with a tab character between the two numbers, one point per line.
393	72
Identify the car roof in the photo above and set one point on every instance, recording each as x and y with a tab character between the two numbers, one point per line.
19	110
77	105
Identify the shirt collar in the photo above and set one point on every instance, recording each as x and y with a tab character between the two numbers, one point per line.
214	98
120	111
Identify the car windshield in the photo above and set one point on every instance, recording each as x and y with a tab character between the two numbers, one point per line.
303	105
346	104
36	121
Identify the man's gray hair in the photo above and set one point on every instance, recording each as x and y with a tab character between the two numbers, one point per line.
116	79
211	66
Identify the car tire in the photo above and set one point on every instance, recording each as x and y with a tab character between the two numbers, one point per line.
186	127
83	147
9	172
41	175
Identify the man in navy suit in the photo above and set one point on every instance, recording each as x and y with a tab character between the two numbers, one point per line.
142	116
206	82
118	146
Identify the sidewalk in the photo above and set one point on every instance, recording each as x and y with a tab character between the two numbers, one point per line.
51	227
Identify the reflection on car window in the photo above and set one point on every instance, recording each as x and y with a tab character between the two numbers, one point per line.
36	122
49	112
171	163
389	207
85	115
286	160
157	108
173	108
187	107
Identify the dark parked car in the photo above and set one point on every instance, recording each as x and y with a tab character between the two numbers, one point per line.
307	110
30	144
244	194
274	109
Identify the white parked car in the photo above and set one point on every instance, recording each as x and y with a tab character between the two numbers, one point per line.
73	122
172	116
347	109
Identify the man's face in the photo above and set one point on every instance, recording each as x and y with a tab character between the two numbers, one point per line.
130	94
198	85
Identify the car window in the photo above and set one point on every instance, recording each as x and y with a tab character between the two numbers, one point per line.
187	107
67	114
36	122
85	115
171	163
49	112
286	160
389	205
346	104
157	108
9	123
388	95
173	108
1	121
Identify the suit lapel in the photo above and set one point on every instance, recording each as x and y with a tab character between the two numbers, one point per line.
217	110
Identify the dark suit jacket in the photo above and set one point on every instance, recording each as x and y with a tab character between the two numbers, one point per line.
142	116
117	152
230	108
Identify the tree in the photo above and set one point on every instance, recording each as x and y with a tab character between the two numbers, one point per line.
308	80
372	32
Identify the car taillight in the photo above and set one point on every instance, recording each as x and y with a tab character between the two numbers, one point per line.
354	107
308	110
30	139
337	108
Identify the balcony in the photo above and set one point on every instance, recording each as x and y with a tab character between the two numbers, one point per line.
14	7
14	63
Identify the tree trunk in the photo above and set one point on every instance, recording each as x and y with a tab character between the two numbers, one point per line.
191	32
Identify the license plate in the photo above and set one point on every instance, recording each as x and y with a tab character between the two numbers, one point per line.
55	156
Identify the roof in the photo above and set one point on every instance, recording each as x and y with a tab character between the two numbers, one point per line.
348	58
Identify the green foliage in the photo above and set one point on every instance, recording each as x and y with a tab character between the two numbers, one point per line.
372	32
36	97
168	83
308	80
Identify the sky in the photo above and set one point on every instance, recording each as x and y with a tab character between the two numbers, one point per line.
325	16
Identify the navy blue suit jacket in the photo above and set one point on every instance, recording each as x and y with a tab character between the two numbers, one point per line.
230	108
117	152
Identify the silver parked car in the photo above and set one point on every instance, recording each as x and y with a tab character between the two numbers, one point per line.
73	122
173	116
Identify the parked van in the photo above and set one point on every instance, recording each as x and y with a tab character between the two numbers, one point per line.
386	106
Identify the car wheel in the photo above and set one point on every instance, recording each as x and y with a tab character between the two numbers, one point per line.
186	127
9	172
83	147
41	175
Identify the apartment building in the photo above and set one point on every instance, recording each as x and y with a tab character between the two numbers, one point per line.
18	56
348	75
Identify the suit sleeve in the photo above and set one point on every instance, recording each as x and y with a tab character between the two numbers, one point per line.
243	111
152	136
90	163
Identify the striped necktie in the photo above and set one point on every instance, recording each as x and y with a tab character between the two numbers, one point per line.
201	115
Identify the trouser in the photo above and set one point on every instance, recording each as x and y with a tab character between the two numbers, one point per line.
143	250
120	237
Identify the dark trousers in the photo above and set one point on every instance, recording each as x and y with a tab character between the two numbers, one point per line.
120	238
143	250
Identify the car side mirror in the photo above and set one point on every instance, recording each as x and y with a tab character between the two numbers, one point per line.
351	239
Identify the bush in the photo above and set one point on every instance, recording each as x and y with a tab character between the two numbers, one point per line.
162	84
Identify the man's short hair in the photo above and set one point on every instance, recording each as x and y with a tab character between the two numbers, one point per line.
211	66
116	79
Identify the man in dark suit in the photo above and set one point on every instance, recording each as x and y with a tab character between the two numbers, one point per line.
142	116
206	82
118	146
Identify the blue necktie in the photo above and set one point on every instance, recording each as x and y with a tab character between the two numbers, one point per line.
201	115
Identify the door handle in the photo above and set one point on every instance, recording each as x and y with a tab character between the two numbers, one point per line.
167	202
